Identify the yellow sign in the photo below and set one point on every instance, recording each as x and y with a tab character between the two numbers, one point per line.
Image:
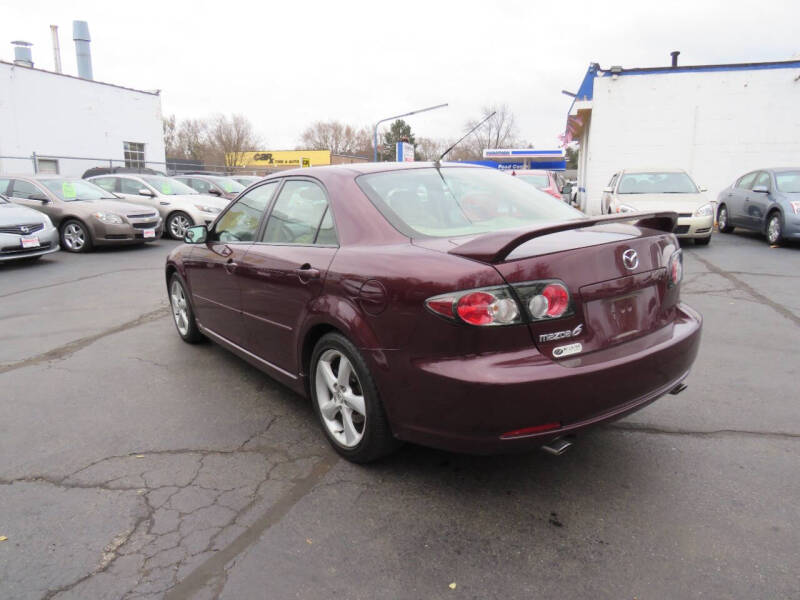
286	158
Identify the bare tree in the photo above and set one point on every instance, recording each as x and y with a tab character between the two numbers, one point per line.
170	135
500	131
192	139
229	138
430	149
337	137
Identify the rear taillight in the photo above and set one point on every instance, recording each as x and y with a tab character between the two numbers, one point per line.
500	305
675	268
488	306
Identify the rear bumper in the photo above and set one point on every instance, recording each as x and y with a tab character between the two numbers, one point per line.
467	403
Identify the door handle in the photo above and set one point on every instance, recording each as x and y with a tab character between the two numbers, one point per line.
230	266
306	273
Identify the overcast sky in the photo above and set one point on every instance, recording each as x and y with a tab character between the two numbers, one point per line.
287	64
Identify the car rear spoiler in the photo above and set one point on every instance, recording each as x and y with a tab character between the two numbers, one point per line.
494	247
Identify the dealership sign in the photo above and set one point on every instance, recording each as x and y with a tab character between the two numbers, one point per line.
286	158
405	152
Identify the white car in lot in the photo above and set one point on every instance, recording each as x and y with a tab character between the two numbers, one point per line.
25	234
662	189
180	206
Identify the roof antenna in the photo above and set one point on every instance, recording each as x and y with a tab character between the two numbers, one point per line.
438	162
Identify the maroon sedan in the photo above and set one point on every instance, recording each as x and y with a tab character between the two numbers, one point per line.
446	305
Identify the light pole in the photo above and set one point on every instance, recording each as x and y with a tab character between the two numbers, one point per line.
408	114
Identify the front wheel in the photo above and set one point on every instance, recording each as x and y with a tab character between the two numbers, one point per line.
177	225
75	237
774	229
346	401
722	220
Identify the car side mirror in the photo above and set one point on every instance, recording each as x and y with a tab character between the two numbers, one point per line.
39	197
566	189
146	192
608	190
215	192
703	188
761	189
196	235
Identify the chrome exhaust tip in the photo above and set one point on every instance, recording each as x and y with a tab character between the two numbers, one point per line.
557	447
678	389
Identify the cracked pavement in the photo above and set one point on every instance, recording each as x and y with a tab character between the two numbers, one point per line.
136	466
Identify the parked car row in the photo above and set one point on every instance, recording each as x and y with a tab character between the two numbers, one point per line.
550	182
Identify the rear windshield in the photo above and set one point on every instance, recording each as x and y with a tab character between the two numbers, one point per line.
788	181
656	183
454	201
539	181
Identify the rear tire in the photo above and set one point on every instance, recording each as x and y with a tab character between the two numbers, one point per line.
723	220
75	236
182	313
341	388
774	228
702	241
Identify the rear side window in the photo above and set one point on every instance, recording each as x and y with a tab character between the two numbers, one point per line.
746	182
4	186
298	216
241	221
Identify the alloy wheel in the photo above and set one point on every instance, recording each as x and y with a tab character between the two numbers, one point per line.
340	398
74	237
722	218
178	224
774	229
180	309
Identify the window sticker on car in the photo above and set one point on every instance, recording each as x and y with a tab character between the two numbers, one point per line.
166	188
68	189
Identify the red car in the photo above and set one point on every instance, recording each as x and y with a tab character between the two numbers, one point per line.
442	305
546	181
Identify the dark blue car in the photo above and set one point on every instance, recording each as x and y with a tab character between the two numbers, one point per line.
767	200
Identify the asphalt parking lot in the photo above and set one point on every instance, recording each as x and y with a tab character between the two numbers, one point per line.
136	466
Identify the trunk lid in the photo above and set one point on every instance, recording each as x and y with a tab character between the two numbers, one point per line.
613	301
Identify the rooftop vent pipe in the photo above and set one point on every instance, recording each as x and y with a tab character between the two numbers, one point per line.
22	53
56	48
674	54
80	34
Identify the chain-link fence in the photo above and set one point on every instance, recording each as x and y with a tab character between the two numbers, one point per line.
76	166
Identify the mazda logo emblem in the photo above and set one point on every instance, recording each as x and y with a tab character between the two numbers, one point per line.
630	259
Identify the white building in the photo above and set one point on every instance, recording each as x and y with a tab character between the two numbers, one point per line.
56	116
714	121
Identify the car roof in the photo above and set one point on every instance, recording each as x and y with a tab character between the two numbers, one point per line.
654	170
530	171
364	168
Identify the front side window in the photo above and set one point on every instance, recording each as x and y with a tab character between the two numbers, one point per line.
453	201
787	181
71	190
200	185
168	186
240	222
298	214
134	154
109	184
229	185
762	180
656	183
746	182
23	189
129	186
4	186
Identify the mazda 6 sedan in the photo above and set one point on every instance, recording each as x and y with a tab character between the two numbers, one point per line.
446	305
